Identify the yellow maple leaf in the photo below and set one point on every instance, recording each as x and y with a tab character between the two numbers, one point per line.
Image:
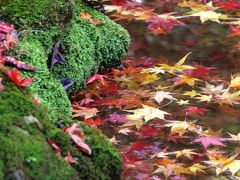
197	168
147	113
181	127
210	15
184	79
178	67
235	137
192	93
138	123
235	81
204	98
185	152
149	78
228	98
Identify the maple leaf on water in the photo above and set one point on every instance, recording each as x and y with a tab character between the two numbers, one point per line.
163	23
97	77
228	98
235	137
229	5
178	67
210	16
204	98
69	159
117	118
183	79
147	113
77	135
200	72
181	127
211	89
207	141
118	2
192	110
235	81
235	31
149	78
84	112
182	102
161	95
192	93
197	168
17	78
223	164
1	85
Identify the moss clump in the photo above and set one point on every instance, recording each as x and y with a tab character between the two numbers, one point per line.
48	88
24	148
36	14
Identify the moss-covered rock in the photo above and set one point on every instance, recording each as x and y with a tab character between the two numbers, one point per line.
25	151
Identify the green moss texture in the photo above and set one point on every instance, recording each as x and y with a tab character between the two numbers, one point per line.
24	149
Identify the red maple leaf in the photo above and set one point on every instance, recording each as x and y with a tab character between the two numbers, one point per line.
193	110
148	131
92	122
207	141
97	77
235	31
5	28
229	5
17	78
200	72
118	2
55	147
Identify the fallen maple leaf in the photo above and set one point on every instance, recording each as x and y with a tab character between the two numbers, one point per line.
84	112
16	77
78	137
92	122
69	159
207	141
118	2
97	77
192	110
55	147
161	95
147	113
181	127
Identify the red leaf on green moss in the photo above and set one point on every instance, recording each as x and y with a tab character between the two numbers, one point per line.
77	135
17	78
55	147
5	28
1	86
69	159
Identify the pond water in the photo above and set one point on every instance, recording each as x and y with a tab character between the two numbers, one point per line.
169	146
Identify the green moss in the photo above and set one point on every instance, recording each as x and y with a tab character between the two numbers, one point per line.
35	13
24	147
44	85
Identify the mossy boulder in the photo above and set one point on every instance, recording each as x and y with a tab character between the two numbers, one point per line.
25	152
24	148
